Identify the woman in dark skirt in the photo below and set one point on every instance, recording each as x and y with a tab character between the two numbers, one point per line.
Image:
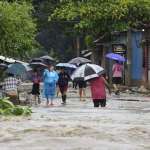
63	84
36	86
117	76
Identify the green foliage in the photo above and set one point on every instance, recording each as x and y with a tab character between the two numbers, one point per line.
7	108
100	16
56	37
18	1
17	29
5	103
89	40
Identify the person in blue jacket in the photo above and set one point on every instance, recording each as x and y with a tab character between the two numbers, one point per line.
50	78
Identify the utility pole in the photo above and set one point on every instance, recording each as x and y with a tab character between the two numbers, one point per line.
129	57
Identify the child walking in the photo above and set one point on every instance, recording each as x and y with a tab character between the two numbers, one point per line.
36	86
98	91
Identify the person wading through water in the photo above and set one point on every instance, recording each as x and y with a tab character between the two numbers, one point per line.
98	91
63	84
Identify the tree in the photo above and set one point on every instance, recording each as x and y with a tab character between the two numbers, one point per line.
17	29
103	16
54	36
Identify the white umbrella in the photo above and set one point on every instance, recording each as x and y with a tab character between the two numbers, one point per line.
6	59
87	71
66	65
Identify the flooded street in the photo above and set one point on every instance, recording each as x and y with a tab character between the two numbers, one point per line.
122	125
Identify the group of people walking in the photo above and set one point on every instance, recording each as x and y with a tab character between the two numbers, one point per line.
52	79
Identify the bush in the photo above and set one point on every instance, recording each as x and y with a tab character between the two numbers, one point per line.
9	109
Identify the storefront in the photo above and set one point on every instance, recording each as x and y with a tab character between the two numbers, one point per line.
131	49
137	65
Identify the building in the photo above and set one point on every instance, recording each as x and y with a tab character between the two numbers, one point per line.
129	44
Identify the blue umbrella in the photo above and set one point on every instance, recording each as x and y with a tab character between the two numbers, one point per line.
20	69
66	65
115	57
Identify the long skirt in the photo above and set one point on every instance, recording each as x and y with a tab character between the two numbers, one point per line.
36	89
117	80
63	89
49	90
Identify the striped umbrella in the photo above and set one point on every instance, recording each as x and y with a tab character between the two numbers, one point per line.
87	72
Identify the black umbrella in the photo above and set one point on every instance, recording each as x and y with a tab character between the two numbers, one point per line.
38	65
3	66
46	57
37	60
79	60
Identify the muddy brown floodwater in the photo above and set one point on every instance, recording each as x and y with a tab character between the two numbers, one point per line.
122	125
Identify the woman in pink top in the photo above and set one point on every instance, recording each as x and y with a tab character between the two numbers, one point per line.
117	76
98	91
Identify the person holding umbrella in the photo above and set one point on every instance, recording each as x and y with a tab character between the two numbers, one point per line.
93	74
50	78
64	78
63	83
36	86
117	70
98	91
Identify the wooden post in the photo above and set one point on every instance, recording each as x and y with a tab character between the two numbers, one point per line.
93	56
78	46
129	57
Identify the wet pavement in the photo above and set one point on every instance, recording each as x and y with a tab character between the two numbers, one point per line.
123	125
